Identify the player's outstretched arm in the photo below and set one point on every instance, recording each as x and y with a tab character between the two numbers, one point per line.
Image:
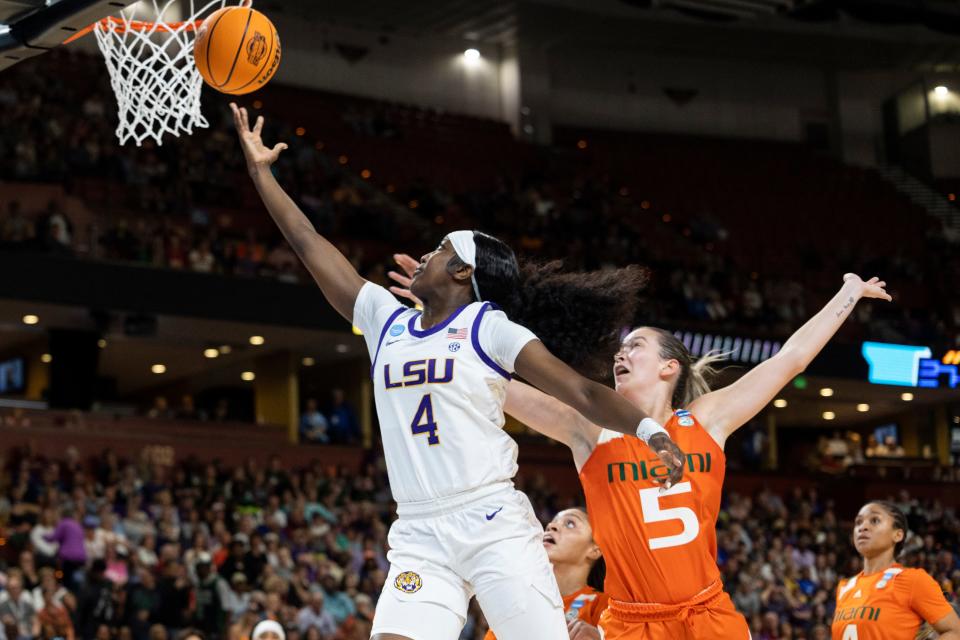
552	418
331	270
597	403
727	409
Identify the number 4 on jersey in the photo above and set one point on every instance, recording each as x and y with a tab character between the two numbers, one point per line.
423	421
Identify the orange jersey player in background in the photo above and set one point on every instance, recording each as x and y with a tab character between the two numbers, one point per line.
660	545
659	542
579	568
886	601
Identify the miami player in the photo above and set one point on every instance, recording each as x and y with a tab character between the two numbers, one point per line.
887	601
578	565
660	546
440	380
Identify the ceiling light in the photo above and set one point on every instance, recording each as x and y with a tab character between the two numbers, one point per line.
780	403
225	349
342	348
906	396
829	415
257	340
158	368
46	358
941	91
308	361
210	353
248	376
31	319
826	392
863	407
471	55
102	343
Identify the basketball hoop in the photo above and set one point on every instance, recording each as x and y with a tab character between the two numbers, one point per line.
152	71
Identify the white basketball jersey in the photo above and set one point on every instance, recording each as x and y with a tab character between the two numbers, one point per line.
440	395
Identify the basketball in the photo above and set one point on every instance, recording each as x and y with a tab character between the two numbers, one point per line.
237	50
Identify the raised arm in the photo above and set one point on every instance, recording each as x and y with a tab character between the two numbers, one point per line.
331	270
726	410
594	401
547	415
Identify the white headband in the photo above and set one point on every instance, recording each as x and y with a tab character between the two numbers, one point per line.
466	249
268	625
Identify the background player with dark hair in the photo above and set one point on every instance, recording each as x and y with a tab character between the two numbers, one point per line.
887	600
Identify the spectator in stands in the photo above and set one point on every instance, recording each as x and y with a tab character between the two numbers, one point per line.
209	598
16	228
18	609
313	426
95	604
344	428
53	618
188	409
69	536
201	259
46	551
313	615
160	409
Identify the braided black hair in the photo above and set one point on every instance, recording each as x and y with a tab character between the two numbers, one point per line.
577	315
899	522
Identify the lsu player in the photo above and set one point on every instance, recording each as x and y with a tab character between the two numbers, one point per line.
440	380
660	546
579	568
887	601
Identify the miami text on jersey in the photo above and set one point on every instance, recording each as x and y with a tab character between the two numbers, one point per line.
653	468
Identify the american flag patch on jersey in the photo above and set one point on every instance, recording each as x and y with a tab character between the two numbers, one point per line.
457	334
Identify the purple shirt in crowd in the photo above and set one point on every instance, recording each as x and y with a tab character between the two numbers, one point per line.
69	534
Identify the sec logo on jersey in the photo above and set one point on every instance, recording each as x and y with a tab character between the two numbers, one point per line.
408	582
454	346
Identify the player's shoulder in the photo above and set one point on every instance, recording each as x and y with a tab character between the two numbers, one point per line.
916	578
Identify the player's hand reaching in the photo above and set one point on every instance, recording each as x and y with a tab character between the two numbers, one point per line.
258	155
580	630
408	264
872	288
671	455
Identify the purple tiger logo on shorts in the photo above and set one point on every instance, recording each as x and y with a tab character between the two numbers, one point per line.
408	582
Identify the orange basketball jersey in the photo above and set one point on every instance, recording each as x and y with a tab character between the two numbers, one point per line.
586	603
887	605
659	546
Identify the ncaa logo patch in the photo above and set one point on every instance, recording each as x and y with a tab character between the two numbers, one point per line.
408	582
396	330
454	346
686	422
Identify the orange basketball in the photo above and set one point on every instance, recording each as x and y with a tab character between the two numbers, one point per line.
237	50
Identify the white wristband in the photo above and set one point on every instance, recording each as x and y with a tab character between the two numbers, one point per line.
647	428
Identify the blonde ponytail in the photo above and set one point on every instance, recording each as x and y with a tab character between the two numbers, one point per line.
702	372
695	375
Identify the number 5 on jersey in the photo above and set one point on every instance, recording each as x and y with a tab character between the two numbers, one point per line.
423	421
650	506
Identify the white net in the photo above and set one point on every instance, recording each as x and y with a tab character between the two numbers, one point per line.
152	71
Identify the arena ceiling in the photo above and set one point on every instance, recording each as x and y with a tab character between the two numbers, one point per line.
812	31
